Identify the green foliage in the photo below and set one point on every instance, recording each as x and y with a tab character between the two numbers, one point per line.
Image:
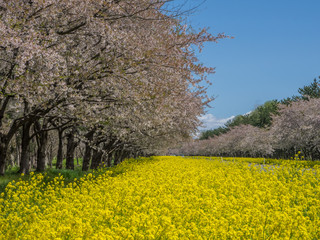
77	162
238	120
259	117
306	92
287	101
69	176
312	90
211	133
262	115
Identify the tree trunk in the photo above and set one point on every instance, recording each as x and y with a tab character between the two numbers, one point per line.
11	156
41	153
5	138
96	159
18	148
87	153
4	145
32	153
118	156
50	154
60	150
86	158
3	156
24	161
71	146
109	148
109	159
42	141
103	159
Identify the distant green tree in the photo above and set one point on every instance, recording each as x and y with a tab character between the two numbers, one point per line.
287	101
213	132
238	120
311	91
262	115
306	92
259	117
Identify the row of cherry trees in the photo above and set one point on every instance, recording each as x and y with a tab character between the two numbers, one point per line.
108	78
295	128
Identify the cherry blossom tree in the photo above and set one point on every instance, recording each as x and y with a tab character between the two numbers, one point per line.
297	128
240	141
124	65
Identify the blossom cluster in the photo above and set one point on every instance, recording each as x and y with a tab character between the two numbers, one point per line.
167	198
294	128
123	73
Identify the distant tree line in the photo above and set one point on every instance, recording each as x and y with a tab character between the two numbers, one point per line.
261	116
276	129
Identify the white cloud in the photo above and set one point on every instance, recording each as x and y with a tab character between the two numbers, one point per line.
210	122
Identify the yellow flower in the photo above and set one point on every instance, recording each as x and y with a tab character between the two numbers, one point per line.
169	198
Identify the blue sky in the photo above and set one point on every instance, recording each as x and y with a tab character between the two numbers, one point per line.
275	50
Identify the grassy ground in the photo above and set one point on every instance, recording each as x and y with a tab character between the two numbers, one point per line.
69	175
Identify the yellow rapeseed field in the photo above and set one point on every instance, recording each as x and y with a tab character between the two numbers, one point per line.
168	198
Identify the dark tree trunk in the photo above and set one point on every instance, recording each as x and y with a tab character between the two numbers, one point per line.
60	150
18	148
135	154
109	159
42	141
86	158
3	156
50	154
71	146
109	148
125	154
96	159
88	150
118	156
103	160
41	153
24	161
5	138
4	145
